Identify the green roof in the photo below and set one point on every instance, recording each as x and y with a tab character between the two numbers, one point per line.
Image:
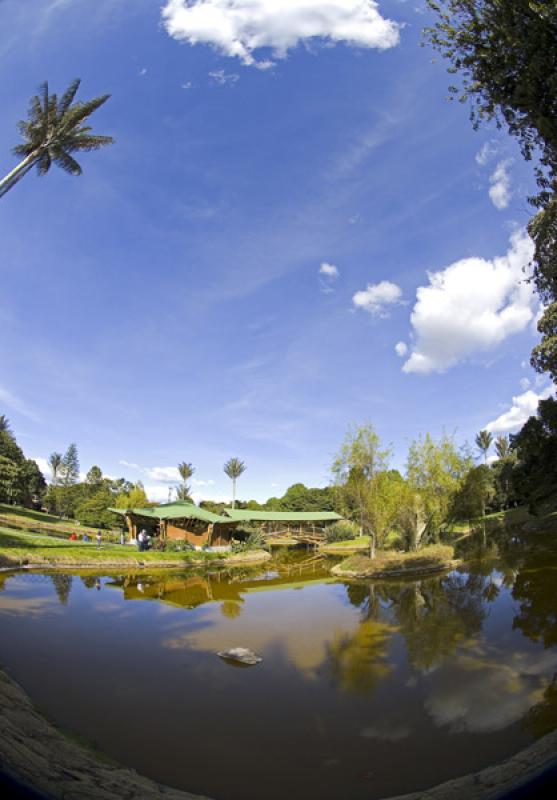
176	510
246	515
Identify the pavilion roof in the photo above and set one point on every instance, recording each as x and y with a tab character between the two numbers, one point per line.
177	510
247	515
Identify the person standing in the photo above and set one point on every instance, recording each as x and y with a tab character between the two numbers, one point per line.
99	538
122	538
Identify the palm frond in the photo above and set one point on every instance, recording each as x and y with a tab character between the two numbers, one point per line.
65	161
86	142
80	111
43	162
67	98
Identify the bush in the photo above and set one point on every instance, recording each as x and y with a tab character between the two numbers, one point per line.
341	531
254	541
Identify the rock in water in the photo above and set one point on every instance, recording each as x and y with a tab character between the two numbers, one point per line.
240	655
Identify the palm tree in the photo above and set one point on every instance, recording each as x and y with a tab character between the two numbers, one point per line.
55	463
234	468
54	130
186	471
502	446
483	442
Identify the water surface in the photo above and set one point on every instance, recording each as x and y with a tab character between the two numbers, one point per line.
366	689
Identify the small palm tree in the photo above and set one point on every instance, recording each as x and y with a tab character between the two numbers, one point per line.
234	468
483	443
183	492
502	446
55	463
54	130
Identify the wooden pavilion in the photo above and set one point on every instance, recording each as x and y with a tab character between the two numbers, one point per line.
301	526
180	521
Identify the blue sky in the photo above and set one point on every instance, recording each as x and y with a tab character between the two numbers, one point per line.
290	198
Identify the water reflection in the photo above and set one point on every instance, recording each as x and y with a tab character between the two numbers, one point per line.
358	676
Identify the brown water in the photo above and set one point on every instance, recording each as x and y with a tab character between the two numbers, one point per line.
366	690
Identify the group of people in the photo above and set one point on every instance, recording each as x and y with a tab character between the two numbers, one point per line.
142	539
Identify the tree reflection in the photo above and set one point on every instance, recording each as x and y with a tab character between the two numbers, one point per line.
62	585
542	718
358	661
435	615
536	590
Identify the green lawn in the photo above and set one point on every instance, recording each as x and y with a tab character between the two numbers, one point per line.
27	518
17	547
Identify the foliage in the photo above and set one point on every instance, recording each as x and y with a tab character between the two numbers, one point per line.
94	511
255	541
436	471
53	131
234	468
506	54
341	531
183	492
502	447
21	480
476	492
133	497
536	448
483	442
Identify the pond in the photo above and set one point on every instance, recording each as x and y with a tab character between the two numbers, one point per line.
366	689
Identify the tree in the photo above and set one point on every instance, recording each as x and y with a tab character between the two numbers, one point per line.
435	471
94	477
536	447
135	497
506	54
477	490
69	466
5	426
502	447
10	475
53	130
55	464
357	464
94	511
234	468
183	492
483	443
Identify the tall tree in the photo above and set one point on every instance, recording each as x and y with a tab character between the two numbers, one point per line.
69	466
53	131
505	52
483	443
234	468
55	464
183	492
502	447
360	460
94	477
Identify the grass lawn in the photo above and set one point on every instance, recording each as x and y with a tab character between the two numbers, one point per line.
17	548
432	558
357	544
27	518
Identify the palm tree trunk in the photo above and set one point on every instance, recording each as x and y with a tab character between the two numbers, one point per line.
233	492
17	173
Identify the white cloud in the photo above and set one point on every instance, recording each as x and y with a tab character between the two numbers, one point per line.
523	406
44	467
223	78
500	189
401	348
377	296
524	383
143	71
329	270
188	85
470	307
238	28
163	474
486	152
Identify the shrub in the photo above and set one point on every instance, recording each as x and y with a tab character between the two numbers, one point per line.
254	541
341	531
